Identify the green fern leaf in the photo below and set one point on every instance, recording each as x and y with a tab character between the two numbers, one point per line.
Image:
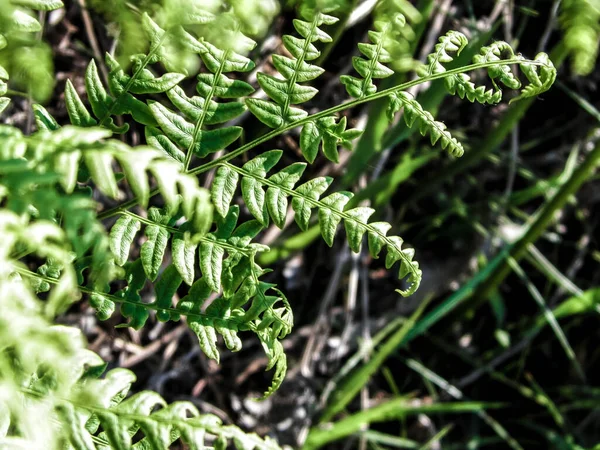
222	87
327	133
133	309
302	205
121	237
43	119
211	264
223	189
451	42
277	203
328	219
183	251
376	53
252	191
541	76
165	289
413	112
496	52
77	111
153	250
156	139
355	225
287	91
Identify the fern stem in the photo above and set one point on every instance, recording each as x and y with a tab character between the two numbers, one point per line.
176	231
327	112
351	104
17	93
200	122
151	306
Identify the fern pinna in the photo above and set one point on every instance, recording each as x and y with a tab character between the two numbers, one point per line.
198	243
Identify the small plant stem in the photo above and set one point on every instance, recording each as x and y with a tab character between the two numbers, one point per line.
539	224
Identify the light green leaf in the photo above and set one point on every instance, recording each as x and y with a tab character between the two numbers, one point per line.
158	140
300	69
328	219
223	189
300	49
39	5
121	237
355	227
184	252
78	113
254	198
224	87
217	60
4	102
211	264
282	92
155	85
311	190
267	112
376	243
195	108
100	166
277	203
153	250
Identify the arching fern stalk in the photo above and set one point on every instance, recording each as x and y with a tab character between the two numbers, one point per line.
197	243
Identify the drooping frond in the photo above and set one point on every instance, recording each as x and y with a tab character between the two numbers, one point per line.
413	113
226	260
331	210
541	75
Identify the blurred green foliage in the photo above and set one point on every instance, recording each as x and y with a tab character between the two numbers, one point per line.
23	54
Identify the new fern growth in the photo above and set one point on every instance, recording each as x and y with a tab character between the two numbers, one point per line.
199	243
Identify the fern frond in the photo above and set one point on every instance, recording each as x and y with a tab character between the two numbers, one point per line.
498	51
120	98
202	110
287	92
65	149
580	20
541	75
273	204
372	67
53	396
540	72
119	101
413	113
